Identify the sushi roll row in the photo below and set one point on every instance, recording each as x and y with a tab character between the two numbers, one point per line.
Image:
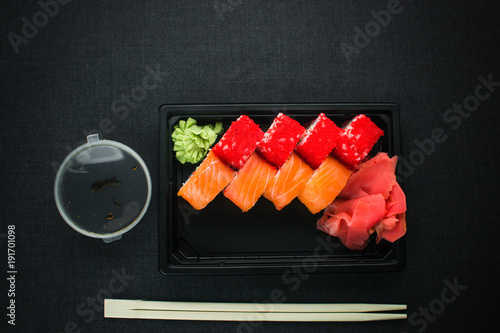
285	162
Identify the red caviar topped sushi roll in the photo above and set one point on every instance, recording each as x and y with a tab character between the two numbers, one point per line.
239	142
318	141
356	140
280	140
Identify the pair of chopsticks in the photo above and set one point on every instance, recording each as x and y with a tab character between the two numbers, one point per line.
140	309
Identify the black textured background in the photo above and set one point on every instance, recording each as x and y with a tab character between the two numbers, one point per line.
62	83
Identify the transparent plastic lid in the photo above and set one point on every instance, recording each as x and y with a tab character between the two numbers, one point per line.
102	189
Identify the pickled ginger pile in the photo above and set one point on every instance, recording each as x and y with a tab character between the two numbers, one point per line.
372	201
324	166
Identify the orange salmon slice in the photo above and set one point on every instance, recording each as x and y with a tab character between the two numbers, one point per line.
325	185
211	177
250	182
288	182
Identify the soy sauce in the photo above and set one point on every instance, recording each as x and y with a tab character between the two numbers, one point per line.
103	189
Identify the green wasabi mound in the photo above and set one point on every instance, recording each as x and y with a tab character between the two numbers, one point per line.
191	142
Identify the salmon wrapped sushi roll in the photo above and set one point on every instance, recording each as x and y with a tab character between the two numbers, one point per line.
250	182
211	177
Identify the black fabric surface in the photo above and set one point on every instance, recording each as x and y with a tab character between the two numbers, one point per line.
61	85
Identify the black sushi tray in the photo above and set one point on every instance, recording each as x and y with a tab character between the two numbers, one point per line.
220	239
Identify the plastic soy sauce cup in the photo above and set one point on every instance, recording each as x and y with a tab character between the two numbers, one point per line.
102	189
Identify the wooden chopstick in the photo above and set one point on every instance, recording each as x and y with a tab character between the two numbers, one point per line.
139	309
252	316
251	307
